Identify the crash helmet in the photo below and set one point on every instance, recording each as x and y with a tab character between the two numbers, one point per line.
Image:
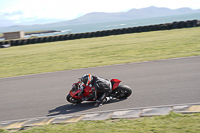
86	79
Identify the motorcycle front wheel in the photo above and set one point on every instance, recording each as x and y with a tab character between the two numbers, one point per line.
122	91
72	100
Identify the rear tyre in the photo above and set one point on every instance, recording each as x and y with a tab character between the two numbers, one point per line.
122	91
72	100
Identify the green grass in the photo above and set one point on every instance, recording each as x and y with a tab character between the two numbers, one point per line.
172	123
92	52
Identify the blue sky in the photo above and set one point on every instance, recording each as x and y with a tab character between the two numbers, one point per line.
27	11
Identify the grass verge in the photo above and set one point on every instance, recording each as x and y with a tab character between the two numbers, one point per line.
172	123
92	52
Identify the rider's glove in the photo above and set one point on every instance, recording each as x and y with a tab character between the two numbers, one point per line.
82	88
93	88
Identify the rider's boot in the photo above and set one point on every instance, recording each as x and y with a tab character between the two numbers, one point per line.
108	99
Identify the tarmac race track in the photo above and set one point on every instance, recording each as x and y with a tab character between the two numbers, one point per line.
154	83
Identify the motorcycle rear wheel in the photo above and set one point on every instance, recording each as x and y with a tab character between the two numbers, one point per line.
72	100
122	91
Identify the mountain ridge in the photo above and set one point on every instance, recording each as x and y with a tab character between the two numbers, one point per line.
95	17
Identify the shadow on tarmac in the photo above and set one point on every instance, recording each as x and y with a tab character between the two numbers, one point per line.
73	108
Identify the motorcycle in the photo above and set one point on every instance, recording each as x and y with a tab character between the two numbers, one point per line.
76	96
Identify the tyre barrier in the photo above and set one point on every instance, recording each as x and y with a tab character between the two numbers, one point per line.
195	23
76	36
54	38
70	37
38	40
28	41
42	40
32	41
17	43
103	33
188	24
65	37
93	34
5	44
11	42
60	38
98	34
87	35
21	42
109	32
157	27
50	39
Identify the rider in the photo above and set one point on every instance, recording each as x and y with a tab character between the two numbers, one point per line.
98	84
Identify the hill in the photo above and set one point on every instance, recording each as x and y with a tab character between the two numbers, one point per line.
96	17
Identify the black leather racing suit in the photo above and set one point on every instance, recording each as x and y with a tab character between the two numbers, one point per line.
102	85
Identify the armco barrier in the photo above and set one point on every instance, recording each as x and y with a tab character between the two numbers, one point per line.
166	26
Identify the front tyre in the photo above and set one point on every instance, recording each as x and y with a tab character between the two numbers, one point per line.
72	100
122	91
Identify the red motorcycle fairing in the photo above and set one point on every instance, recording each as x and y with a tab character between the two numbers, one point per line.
87	93
115	83
79	92
75	94
88	90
